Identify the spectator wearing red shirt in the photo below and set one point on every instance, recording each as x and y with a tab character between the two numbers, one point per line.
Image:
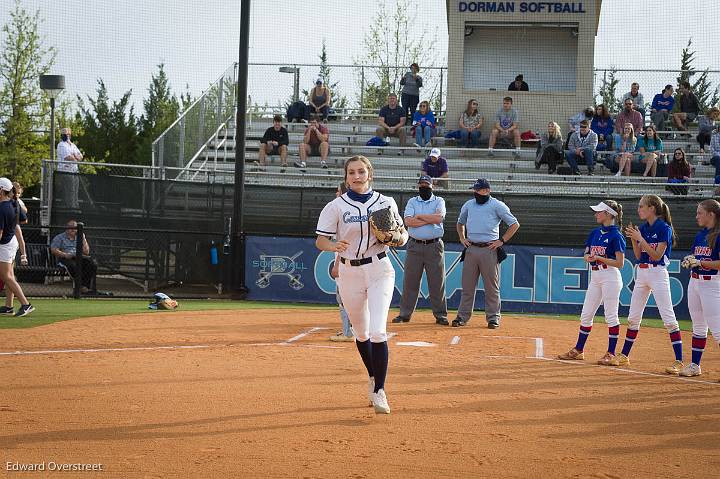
316	142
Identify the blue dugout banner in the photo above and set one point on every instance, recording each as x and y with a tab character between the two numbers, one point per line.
532	279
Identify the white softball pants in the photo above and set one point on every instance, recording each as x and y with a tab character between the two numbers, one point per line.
366	292
604	288
704	306
656	281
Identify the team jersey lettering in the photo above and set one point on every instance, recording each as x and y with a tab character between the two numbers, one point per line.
597	250
348	217
703	251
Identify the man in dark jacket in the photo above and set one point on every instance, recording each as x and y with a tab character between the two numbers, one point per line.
274	142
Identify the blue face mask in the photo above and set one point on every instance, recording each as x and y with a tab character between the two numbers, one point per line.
64	137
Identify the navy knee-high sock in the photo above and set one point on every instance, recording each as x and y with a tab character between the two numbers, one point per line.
380	362
366	355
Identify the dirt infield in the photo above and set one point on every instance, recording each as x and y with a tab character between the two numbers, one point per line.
250	396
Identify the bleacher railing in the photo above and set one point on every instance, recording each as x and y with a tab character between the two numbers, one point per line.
190	132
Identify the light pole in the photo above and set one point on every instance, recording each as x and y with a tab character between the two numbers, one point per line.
296	80
52	85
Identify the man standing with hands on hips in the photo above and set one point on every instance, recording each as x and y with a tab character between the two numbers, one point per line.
478	228
424	215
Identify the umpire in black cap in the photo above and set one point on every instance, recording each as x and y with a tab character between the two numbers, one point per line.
478	228
424	216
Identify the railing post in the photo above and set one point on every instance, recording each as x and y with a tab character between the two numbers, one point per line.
201	126
441	95
362	88
181	153
79	235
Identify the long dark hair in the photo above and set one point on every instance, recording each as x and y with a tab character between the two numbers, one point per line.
713	207
469	108
683	161
655	137
661	210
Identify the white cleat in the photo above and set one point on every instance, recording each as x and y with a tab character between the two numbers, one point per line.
371	390
690	370
380	403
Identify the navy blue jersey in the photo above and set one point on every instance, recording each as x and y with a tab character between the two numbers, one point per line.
658	232
605	241
703	252
8	220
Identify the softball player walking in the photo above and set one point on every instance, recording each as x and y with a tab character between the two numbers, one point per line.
367	278
704	287
652	243
605	252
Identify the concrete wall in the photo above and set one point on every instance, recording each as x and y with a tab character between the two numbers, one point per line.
535	108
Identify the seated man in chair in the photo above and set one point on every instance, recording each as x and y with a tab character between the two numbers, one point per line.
63	248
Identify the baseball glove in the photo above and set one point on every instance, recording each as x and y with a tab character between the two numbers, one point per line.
163	301
386	228
690	261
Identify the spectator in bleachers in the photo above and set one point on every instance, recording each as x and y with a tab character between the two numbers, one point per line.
625	149
715	152
706	125
435	166
316	142
629	115
650	147
470	124
661	107
689	107
320	99
424	124
637	98
506	126
411	83
550	149
678	171
63	247
275	141
518	85
602	124
582	144
391	120
574	123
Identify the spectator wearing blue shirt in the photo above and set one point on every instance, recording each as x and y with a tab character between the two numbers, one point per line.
650	147
478	228
603	126
391	120
624	149
661	107
424	216
435	166
424	124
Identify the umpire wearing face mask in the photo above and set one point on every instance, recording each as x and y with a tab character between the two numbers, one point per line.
478	227
424	215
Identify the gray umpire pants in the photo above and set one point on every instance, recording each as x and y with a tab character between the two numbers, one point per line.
431	259
480	261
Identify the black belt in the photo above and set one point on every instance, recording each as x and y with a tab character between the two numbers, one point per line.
360	262
434	240
481	245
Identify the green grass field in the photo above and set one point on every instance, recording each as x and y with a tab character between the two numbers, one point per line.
49	311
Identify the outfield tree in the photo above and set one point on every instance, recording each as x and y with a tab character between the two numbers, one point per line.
396	39
161	110
706	94
110	128
24	109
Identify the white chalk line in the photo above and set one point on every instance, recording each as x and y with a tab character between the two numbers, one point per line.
630	371
302	335
102	350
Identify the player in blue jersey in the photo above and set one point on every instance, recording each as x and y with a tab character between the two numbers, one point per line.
605	253
652	243
704	286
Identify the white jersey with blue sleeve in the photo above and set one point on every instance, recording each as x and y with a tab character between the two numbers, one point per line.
346	219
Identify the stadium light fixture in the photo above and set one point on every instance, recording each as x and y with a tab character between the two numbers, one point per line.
52	85
296	80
